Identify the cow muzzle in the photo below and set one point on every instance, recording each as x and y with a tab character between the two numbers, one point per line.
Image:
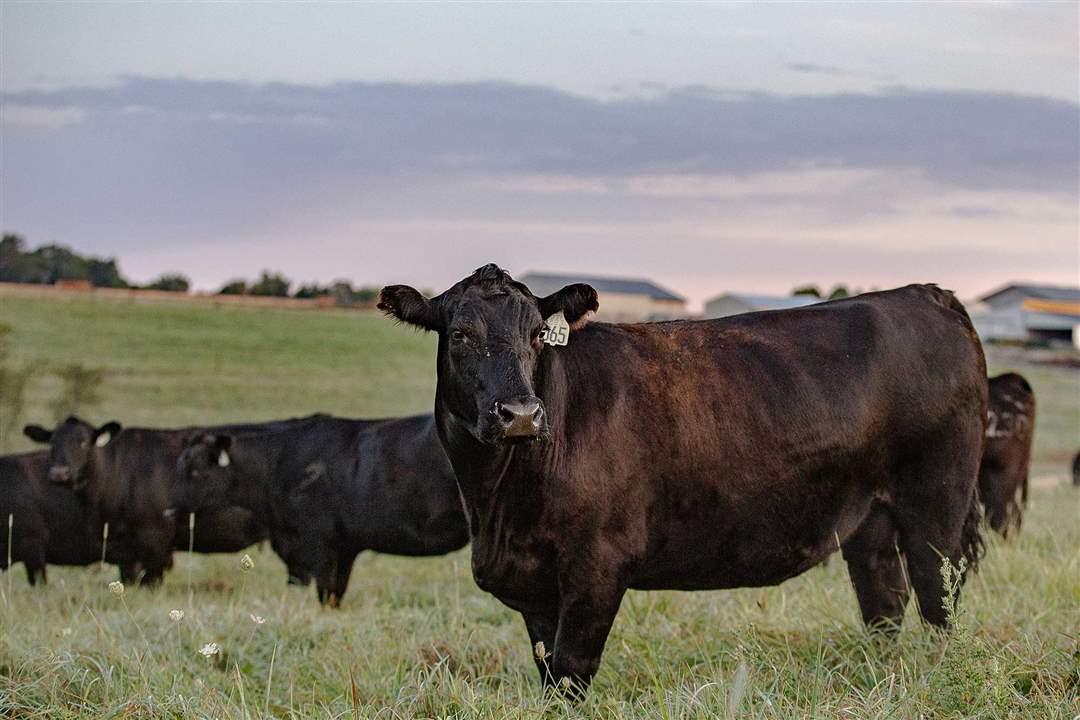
520	418
60	474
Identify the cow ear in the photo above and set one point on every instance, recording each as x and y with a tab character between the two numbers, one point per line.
409	306
222	443
577	303
104	434
38	434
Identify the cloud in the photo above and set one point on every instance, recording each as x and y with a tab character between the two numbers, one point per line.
702	188
965	139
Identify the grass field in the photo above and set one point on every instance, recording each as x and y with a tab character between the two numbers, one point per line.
415	638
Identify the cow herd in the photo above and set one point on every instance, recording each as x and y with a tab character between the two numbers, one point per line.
583	459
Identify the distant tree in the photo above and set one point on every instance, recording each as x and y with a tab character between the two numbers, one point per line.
233	287
104	273
811	290
11	250
171	282
309	291
270	285
50	263
839	291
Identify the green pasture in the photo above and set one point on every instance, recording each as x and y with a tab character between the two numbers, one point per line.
415	638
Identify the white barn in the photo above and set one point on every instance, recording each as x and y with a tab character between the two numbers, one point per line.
1018	312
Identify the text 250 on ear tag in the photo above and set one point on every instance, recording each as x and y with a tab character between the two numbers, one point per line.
557	330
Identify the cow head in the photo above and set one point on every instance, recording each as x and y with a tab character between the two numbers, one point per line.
489	330
72	445
203	472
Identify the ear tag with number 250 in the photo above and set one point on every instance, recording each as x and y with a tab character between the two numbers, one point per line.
556	330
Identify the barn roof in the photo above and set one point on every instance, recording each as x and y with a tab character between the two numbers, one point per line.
546	283
1039	292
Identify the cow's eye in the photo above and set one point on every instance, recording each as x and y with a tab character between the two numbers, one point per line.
458	335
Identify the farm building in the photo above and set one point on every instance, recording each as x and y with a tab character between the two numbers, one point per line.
621	299
1017	312
738	303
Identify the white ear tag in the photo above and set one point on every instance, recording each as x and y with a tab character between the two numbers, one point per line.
103	439
556	330
223	459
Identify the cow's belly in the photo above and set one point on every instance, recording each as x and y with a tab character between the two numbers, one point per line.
758	552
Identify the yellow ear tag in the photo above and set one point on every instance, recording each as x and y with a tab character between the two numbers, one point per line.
556	330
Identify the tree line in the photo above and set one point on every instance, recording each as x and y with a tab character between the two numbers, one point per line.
49	264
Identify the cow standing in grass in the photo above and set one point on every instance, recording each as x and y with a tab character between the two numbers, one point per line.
50	524
334	487
698	455
128	477
1010	429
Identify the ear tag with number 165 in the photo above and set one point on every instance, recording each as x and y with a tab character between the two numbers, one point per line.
556	330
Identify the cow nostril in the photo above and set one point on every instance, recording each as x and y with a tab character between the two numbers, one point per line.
505	414
538	414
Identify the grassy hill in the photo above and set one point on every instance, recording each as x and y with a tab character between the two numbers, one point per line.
184	363
415	637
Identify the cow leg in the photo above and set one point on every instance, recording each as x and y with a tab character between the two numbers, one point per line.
938	517
542	628
345	560
326	578
997	512
129	571
585	617
153	575
877	572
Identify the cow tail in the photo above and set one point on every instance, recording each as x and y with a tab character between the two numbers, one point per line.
971	539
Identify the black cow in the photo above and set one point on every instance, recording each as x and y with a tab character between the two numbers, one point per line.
1010	429
129	476
49	523
1076	469
696	455
335	487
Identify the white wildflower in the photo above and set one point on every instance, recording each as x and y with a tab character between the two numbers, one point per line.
209	650
540	650
257	619
246	563
116	588
176	615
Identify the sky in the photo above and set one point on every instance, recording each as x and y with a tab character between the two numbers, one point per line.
710	147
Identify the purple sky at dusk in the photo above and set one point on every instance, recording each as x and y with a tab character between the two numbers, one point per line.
711	148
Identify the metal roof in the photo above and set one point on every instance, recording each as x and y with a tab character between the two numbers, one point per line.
546	283
1040	292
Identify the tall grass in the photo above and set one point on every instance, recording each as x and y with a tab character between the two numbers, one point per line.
415	638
